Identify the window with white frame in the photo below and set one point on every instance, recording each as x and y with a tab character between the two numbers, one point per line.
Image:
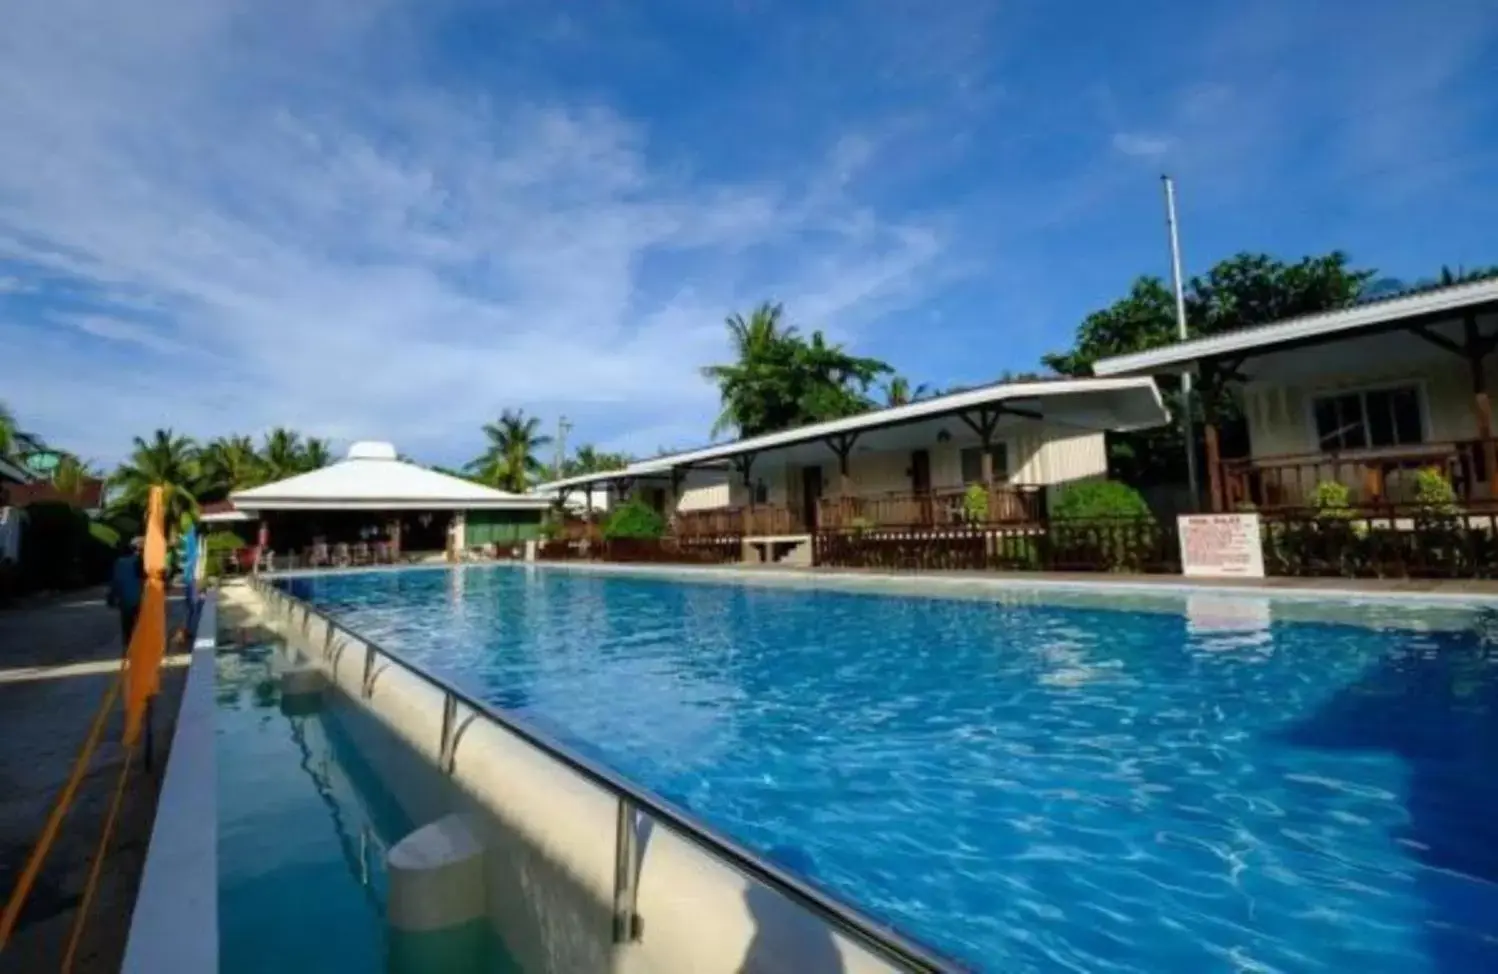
1369	418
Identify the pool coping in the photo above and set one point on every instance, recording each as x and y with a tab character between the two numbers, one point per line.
174	927
1279	589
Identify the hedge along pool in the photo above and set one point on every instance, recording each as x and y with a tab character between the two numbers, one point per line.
1030	780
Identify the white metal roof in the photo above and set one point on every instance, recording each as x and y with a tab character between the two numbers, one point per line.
225	517
11	471
1090	404
371	478
1180	356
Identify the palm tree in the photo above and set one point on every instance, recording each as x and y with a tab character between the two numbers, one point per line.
230	463
168	461
282	454
898	392
315	453
509	462
71	476
758	344
589	459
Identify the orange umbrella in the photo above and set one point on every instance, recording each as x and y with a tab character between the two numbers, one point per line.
148	641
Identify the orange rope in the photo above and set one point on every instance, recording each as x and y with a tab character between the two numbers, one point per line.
54	818
80	920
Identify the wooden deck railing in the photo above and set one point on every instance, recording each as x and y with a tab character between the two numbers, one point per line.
935	508
1374	478
738	522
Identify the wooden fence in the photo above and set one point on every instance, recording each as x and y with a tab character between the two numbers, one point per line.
1112	545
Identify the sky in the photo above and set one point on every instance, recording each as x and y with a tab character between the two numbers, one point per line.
392	220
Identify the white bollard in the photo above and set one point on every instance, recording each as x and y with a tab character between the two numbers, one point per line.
301	690
302	681
435	906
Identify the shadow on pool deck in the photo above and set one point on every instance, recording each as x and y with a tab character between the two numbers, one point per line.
57	660
1438	711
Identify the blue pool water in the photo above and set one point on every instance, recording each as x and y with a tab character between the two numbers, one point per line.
1026	782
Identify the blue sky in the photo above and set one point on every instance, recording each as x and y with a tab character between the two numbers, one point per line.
373	218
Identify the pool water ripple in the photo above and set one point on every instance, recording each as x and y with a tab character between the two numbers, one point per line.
1027	786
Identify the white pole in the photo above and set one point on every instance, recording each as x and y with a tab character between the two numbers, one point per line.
1175	274
562	427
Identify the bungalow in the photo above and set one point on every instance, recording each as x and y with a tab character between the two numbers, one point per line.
1365	396
372	506
991	455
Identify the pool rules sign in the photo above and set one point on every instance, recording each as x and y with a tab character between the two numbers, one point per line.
1221	546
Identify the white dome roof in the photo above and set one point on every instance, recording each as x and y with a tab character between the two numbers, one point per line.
372	450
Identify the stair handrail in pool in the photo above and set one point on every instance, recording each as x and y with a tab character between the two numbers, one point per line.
628	925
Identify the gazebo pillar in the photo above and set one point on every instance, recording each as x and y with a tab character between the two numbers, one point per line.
395	538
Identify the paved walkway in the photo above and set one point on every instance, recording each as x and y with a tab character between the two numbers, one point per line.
56	663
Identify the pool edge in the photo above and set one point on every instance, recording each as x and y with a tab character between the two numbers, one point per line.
174	925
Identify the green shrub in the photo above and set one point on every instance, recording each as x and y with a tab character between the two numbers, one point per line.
634	519
104	534
216	545
1433	492
1094	499
975	504
1332	501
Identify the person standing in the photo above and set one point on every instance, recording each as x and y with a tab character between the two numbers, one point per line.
126	585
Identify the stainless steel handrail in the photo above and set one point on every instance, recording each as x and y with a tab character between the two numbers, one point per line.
878	937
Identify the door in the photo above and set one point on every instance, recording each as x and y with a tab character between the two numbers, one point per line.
811	492
920	484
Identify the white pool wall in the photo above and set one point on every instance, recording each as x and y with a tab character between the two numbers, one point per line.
550	835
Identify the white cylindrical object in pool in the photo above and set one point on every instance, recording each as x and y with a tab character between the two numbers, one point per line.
302	681
435	905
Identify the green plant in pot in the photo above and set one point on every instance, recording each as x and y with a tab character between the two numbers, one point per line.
975	504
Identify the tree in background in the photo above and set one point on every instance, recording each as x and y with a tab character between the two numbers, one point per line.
589	459
8	430
899	392
229	463
779	380
315	454
72	476
281	453
1240	292
166	460
510	461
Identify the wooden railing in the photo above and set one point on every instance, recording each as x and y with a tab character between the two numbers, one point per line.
1374	478
1097	545
738	522
935	508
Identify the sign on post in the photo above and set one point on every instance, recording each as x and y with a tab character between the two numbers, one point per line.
1221	546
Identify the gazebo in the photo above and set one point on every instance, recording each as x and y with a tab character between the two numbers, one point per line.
380	508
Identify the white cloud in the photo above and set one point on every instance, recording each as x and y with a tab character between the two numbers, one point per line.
350	251
119	330
1141	145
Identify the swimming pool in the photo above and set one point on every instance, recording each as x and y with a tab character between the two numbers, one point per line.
1028	781
301	833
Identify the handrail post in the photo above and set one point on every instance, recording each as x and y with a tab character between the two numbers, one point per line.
627	923
447	747
366	686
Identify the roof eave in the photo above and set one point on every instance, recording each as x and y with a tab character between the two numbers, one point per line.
1182	356
368	504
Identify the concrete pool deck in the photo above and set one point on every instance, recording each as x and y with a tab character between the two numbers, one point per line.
56	663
